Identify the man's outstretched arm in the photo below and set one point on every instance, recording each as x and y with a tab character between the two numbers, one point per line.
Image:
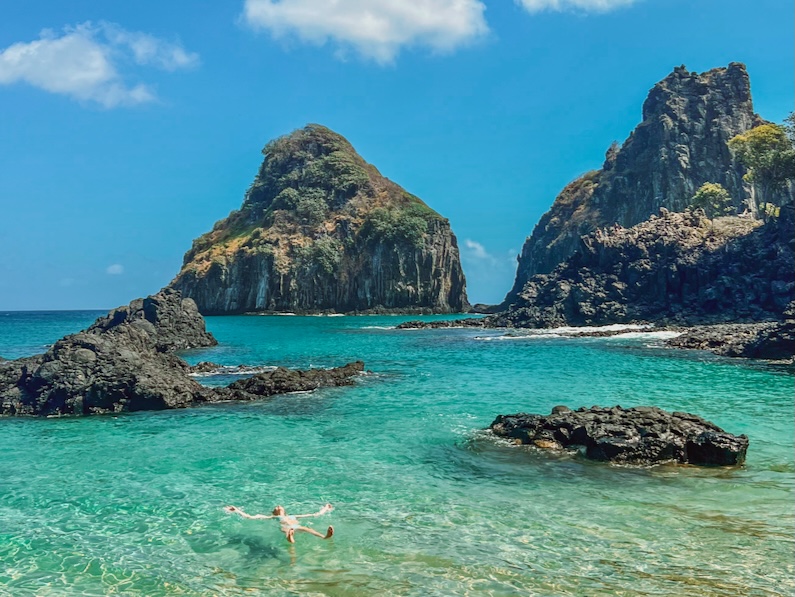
236	510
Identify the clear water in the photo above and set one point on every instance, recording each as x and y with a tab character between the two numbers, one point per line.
426	503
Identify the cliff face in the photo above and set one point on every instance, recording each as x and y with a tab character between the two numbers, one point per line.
321	230
676	268
680	144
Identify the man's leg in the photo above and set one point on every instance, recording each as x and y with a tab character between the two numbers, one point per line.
328	534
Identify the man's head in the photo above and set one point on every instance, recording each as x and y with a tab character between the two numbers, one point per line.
278	511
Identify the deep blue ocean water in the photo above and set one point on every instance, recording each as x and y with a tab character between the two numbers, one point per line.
426	502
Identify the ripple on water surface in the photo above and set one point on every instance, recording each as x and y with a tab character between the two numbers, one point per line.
426	503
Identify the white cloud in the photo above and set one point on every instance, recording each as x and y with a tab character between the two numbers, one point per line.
575	5
149	50
83	63
377	29
489	275
115	270
474	250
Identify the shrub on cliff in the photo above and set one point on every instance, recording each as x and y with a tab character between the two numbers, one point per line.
713	199
768	153
408	224
325	254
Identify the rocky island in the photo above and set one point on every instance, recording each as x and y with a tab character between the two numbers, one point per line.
626	244
644	435
681	143
321	230
125	361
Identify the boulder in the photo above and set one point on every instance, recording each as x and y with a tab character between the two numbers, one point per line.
636	436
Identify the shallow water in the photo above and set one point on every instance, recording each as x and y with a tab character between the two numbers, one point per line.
426	503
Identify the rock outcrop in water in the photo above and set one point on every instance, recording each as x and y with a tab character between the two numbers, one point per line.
321	230
642	435
773	341
681	143
678	268
125	362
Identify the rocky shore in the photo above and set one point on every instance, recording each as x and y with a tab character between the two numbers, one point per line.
125	361
644	435
768	341
727	284
674	269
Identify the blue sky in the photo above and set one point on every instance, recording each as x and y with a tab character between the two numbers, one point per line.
129	128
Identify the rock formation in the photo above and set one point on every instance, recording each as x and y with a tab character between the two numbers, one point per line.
125	362
774	341
680	144
643	435
321	230
677	268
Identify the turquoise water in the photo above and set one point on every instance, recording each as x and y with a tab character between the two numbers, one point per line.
426	503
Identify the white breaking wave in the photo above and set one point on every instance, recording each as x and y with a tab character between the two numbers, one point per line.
377	327
616	327
661	335
518	337
619	331
233	370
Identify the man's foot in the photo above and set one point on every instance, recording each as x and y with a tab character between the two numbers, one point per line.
291	536
329	532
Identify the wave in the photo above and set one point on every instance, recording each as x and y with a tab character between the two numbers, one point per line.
589	329
607	332
233	370
377	327
661	335
518	337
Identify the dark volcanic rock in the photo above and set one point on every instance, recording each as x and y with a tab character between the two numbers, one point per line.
642	435
172	321
678	268
680	144
773	341
282	380
321	230
470	322
124	362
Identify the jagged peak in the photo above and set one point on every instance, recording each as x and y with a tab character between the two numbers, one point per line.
733	80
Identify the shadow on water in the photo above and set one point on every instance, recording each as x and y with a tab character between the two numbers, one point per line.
254	549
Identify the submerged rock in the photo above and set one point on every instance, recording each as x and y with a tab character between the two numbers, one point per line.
321	230
643	435
470	322
125	362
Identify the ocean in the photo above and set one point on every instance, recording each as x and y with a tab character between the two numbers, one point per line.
426	502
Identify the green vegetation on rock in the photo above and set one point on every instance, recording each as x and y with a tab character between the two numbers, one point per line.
397	224
321	229
713	199
768	153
